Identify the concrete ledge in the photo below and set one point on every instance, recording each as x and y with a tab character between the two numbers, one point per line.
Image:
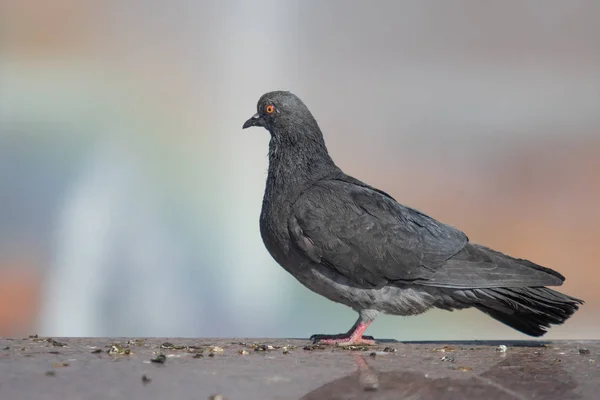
248	369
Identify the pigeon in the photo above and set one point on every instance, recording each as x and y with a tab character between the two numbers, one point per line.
356	245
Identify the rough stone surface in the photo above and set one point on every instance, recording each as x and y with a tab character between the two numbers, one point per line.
83	368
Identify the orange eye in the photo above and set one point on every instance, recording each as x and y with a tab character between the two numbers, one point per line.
269	109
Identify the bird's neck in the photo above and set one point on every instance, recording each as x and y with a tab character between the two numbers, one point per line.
295	165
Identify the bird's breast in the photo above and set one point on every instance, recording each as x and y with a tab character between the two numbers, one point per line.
274	232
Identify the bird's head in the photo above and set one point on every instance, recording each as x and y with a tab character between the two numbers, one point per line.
283	114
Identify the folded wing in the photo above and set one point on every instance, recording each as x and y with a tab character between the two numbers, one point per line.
369	238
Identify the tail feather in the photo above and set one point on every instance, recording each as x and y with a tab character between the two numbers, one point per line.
530	310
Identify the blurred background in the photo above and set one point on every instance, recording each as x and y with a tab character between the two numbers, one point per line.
130	196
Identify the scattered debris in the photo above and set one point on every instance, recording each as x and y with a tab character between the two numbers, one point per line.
263	347
171	346
96	351
194	349
160	359
353	347
373	354
445	349
50	373
48	340
557	360
501	348
215	349
463	369
243	352
448	358
54	352
60	365
389	350
136	342
584	351
267	347
311	347
6	348
53	342
211	354
199	353
189	349
117	349
146	380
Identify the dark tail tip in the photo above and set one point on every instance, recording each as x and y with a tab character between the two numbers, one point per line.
529	310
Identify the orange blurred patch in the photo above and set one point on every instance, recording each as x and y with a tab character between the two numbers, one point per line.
19	299
43	26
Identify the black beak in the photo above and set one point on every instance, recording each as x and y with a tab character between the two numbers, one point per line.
255	120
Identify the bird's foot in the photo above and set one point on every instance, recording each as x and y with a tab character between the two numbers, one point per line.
344	339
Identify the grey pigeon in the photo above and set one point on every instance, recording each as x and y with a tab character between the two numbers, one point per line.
355	245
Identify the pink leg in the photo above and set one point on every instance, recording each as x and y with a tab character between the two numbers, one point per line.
352	337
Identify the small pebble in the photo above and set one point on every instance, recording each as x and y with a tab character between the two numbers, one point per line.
146	380
56	343
584	351
464	369
160	359
313	347
118	349
445	349
502	348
